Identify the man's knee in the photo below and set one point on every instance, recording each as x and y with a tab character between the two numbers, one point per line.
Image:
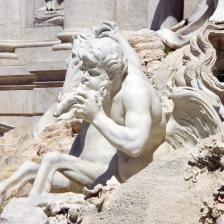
30	166
52	157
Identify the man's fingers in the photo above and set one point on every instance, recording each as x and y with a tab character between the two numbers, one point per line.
83	94
80	99
78	106
78	112
87	95
68	115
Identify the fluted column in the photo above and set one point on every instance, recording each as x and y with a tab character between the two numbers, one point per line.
9	19
131	14
80	14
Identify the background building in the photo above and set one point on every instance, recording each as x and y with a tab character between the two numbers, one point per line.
34	44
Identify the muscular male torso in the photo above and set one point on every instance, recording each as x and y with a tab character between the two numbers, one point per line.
95	147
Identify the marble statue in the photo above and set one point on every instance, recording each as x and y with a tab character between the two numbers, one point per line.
197	105
52	5
51	14
182	33
123	122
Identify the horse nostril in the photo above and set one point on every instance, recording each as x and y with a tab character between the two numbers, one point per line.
56	114
84	79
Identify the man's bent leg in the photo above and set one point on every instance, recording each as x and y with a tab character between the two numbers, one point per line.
76	169
27	173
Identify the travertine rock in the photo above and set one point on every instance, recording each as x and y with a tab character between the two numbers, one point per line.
209	154
160	194
65	208
14	152
18	212
149	48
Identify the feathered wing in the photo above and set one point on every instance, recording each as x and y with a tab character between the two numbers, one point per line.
193	118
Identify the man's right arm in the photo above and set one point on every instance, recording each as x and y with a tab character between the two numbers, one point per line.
131	137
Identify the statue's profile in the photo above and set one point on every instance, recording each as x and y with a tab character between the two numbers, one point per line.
52	5
123	122
52	13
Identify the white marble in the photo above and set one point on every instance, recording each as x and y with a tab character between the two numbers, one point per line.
119	128
204	11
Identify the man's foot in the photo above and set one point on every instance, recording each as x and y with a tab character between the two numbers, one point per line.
1	200
2	193
8	192
36	199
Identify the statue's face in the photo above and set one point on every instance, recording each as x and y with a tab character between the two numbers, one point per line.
93	77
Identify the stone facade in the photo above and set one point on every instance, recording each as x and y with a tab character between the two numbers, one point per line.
32	55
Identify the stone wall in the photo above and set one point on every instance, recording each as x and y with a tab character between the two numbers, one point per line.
32	55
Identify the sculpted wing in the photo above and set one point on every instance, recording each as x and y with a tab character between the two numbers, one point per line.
193	118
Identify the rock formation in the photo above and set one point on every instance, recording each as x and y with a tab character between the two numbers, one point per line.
16	150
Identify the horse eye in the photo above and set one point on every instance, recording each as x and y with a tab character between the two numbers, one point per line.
93	73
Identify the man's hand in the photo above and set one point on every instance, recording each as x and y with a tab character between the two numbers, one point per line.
87	107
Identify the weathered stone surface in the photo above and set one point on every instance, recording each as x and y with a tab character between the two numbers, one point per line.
21	102
130	15
164	192
15	150
162	189
44	98
9	22
51	209
23	123
159	194
149	48
17	211
97	12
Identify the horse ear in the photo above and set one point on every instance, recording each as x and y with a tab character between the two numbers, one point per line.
105	27
102	92
59	96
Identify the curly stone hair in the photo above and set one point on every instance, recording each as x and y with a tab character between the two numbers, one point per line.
92	48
